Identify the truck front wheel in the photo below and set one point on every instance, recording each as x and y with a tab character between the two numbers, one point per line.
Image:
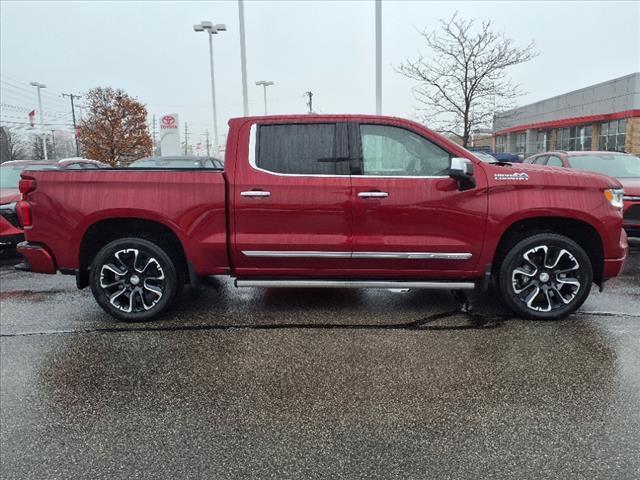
546	277
134	279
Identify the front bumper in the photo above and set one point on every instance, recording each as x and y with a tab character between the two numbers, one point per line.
613	266
10	229
38	259
10	241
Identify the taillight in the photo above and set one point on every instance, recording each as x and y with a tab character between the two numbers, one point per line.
23	209
26	185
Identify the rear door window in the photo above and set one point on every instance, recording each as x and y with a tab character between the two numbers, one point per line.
303	149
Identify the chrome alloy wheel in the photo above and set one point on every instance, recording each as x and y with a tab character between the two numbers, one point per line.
133	280
546	278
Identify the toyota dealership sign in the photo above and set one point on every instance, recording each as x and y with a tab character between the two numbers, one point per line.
169	135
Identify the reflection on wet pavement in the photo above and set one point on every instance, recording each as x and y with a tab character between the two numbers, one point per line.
317	384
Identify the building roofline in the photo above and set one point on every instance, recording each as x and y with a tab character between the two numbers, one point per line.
595	85
570	122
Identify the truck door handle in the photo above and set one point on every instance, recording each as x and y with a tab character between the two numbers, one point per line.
255	193
373	194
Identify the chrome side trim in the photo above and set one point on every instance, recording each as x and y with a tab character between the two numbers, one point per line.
355	284
413	255
630	198
295	254
357	255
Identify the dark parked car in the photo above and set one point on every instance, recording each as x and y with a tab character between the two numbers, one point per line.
623	166
500	157
188	161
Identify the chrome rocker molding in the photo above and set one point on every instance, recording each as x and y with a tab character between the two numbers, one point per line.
355	284
358	255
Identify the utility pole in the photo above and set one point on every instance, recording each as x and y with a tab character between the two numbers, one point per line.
186	138
44	136
378	57
309	101
53	145
73	114
207	137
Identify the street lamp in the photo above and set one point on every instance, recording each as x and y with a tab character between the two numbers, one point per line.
44	137
211	29
265	84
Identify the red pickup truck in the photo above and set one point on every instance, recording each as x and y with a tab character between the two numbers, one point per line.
328	201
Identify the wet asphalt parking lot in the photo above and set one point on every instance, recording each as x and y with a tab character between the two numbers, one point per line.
316	384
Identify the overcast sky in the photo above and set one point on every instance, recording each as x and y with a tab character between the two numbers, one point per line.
150	50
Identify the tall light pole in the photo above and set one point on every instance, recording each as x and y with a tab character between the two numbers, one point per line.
243	59
212	30
378	57
44	136
264	84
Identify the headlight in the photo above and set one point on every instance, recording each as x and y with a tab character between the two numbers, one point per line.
614	195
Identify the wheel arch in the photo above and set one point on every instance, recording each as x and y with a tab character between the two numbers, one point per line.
101	232
580	231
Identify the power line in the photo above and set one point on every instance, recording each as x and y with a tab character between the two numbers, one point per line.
27	94
45	124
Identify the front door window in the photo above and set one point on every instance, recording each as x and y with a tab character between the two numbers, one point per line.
391	151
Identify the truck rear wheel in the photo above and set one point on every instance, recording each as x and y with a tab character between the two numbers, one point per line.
134	279
545	277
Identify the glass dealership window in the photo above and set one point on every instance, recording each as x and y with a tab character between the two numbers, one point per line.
542	141
562	139
500	143
574	138
521	143
613	135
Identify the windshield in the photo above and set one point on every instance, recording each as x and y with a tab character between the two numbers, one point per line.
482	156
10	176
612	164
485	157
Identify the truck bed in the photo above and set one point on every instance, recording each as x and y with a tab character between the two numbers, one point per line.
191	203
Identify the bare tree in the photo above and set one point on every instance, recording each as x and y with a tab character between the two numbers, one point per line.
463	81
12	146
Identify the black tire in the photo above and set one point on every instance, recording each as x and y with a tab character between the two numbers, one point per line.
134	279
545	277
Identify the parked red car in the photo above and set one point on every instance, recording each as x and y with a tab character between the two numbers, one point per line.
328	201
10	229
622	166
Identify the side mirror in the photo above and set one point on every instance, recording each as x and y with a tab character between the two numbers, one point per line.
461	171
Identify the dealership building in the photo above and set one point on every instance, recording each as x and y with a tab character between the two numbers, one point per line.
605	116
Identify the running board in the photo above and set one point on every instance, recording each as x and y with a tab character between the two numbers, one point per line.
355	284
